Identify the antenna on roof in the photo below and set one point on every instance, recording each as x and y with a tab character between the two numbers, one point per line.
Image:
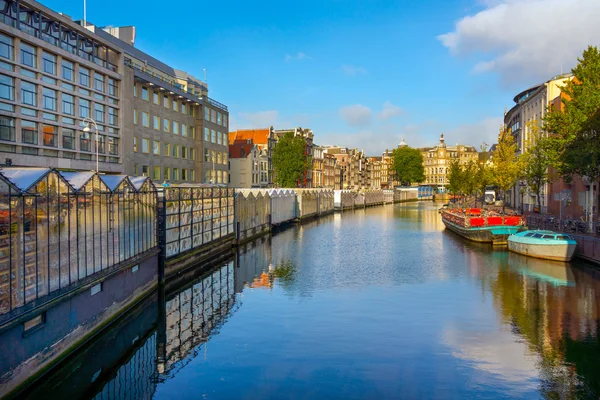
84	13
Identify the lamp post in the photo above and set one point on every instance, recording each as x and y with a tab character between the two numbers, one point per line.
87	121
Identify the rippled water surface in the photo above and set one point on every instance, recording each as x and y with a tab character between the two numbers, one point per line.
380	303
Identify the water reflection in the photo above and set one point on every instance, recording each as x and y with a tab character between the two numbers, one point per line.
377	303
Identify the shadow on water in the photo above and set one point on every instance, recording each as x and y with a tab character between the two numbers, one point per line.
551	309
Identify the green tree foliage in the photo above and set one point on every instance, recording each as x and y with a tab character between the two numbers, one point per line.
507	165
470	184
576	128
455	177
289	160
484	174
408	165
537	159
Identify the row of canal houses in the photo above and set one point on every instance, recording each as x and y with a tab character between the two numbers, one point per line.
78	249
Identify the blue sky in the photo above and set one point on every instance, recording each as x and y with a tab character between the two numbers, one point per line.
362	73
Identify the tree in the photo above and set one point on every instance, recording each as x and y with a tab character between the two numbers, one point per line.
455	177
537	159
408	165
470	184
484	174
507	165
289	160
575	126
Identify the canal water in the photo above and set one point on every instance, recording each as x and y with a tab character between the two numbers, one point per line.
377	303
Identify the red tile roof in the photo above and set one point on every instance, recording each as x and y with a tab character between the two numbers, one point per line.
240	150
258	136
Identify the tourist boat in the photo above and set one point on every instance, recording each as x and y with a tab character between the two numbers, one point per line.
474	224
548	245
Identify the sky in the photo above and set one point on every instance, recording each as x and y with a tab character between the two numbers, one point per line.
362	74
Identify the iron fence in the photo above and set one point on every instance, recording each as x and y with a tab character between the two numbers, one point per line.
197	215
58	228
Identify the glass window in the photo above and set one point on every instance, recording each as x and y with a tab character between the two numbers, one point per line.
68	104
145	145
6	47
67	70
219	157
206	155
192	153
145	170
167	151
156	148
113	146
206	135
184	174
135	144
29	133
113	116
183	152
175	103
192	132
183	108
219	118
224	120
145	119
219	138
156	122
183	130
192	175
175	151
166	125
166	173
49	63
134	90
206	113
98	112
175	174
113	87
213	136
166	101
156	173
28	55
225	142
144	93
99	82
155	98
213	116
7	128
49	97
175	128
7	89
134	116
84	108
68	137
84	76
50	135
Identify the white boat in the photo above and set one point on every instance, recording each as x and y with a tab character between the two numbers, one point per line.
548	245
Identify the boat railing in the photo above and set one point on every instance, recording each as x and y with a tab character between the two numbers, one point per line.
473	218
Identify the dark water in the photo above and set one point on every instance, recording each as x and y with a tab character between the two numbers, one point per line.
381	303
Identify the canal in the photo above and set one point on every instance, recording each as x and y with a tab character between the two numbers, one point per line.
376	303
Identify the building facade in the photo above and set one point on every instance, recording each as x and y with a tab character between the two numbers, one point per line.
247	166
374	168
54	74
329	171
174	132
436	161
318	167
531	106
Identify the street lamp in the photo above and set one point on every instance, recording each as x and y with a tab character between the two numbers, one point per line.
87	121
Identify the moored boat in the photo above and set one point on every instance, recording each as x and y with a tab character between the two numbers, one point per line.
475	225
547	245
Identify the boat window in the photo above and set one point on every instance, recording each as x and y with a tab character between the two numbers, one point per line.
530	234
538	235
548	237
563	237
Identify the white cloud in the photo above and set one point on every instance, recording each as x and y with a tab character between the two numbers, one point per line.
356	115
297	57
390	111
352	70
526	40
260	119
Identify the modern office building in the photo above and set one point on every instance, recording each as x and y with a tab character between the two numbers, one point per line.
173	131
54	74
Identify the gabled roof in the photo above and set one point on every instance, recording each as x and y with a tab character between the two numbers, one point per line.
240	150
258	136
77	180
24	178
138	181
113	181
